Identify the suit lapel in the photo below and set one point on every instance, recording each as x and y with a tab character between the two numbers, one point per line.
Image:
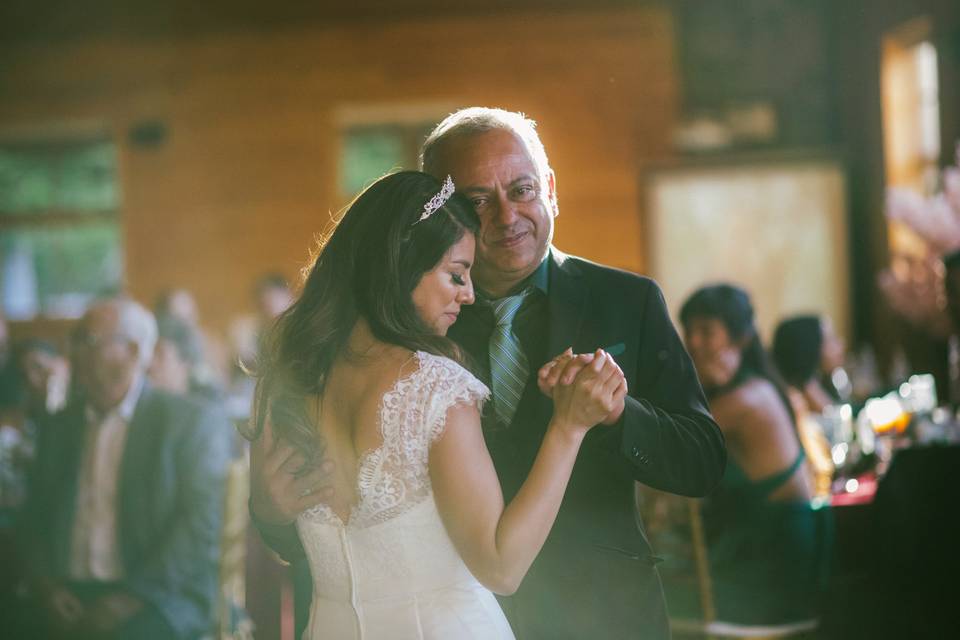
567	303
138	450
69	442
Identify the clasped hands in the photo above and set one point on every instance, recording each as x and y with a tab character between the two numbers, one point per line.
590	385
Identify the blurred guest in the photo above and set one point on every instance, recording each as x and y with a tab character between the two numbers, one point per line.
764	540
808	353
178	359
40	390
212	366
16	454
9	379
46	375
178	303
16	451
273	297
120	534
951	290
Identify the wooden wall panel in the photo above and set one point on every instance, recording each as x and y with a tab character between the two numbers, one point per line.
247	173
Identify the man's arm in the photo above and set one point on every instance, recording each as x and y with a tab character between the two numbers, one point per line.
283	539
184	565
667	435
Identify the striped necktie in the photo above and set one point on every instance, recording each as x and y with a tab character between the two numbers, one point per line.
508	362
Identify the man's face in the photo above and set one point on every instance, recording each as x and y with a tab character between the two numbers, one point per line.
105	362
39	367
272	301
516	203
168	370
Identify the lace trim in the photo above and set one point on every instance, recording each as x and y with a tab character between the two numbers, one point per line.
394	476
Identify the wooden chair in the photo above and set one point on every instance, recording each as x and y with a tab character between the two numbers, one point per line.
231	621
668	517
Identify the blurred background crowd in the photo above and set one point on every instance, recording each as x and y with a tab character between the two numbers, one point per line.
787	170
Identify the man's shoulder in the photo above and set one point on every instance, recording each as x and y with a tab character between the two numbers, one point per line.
158	399
602	274
178	412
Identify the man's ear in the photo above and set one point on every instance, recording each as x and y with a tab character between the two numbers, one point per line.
134	350
552	192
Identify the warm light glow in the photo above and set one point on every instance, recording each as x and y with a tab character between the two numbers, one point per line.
839	453
846	412
887	414
911	121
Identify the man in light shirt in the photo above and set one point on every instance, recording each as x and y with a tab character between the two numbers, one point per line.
122	526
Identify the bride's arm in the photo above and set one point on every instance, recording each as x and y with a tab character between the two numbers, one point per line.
498	543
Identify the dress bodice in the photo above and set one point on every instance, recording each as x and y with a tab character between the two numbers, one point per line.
391	570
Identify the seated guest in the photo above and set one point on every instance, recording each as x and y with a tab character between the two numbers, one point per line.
40	389
178	303
764	540
178	359
46	375
213	365
806	352
120	533
16	454
273	296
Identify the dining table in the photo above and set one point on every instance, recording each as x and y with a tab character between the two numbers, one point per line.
896	567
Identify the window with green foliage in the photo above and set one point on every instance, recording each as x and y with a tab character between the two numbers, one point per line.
59	226
370	151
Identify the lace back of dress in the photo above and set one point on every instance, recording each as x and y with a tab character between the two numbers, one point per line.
395	476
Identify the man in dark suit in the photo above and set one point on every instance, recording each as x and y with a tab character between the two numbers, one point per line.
596	575
122	525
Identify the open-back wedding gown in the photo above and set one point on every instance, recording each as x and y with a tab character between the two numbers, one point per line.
391	571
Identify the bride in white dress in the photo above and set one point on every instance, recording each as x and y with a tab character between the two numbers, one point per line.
415	534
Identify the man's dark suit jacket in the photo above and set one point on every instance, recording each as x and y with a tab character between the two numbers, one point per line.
170	504
596	575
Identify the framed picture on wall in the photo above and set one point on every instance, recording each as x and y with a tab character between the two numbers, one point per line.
775	226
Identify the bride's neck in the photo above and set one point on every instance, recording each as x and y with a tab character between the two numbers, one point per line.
363	344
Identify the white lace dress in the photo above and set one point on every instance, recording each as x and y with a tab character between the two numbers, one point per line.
392	571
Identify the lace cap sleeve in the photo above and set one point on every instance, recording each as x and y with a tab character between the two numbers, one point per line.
449	384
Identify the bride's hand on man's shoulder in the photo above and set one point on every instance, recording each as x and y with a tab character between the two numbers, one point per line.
282	485
587	389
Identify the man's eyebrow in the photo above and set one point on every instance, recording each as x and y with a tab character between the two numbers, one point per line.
527	177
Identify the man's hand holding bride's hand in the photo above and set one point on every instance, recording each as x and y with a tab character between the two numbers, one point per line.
587	389
281	488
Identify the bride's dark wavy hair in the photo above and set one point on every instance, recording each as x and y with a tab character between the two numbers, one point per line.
366	268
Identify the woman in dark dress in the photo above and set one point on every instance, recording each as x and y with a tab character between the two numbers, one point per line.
766	542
